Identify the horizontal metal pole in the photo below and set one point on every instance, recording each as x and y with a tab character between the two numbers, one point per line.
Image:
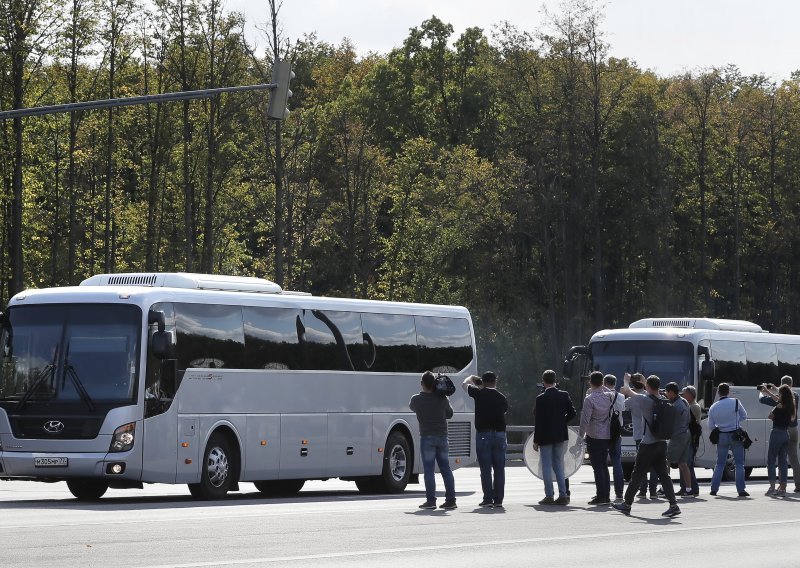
129	101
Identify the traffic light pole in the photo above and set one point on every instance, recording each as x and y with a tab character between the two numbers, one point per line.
129	101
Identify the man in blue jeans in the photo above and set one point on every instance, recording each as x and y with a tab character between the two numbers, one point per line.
433	410
554	409
490	436
727	414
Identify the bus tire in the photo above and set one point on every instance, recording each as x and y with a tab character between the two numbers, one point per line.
396	464
87	489
369	485
279	487
216	475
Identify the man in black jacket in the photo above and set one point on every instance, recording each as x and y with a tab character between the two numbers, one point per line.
554	409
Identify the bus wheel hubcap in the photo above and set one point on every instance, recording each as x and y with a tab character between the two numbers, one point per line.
217	466
397	463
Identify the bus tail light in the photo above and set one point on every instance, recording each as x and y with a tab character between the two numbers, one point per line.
123	438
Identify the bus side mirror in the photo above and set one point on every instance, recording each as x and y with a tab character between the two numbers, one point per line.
157	317
707	369
162	345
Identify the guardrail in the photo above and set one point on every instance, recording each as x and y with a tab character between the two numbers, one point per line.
514	451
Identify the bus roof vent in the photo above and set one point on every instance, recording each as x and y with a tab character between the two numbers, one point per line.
186	280
698	323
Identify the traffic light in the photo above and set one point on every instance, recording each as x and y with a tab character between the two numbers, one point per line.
282	74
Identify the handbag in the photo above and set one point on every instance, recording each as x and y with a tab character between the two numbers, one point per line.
740	434
714	436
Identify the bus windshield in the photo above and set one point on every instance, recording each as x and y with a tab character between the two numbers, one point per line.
70	353
671	361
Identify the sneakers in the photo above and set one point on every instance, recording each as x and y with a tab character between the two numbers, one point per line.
563	500
618	499
713	492
744	494
449	505
622	508
771	491
486	504
599	501
687	493
548	500
496	506
780	493
673	511
428	505
682	493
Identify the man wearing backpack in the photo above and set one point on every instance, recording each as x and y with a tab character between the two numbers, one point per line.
678	446
653	449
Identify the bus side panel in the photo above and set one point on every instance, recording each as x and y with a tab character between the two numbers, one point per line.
349	444
262	448
304	452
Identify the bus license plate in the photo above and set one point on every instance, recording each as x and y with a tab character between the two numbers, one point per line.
628	454
51	462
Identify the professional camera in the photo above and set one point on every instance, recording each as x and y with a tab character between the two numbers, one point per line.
443	386
761	387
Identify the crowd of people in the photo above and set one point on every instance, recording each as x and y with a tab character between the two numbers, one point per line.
665	426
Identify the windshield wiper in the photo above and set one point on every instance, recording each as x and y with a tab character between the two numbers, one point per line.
70	371
46	371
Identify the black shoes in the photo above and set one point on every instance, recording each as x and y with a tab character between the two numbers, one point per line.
622	508
428	505
673	511
599	501
449	505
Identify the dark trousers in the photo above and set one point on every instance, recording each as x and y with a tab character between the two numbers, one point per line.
653	478
651	456
598	452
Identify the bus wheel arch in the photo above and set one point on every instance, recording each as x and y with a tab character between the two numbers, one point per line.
220	465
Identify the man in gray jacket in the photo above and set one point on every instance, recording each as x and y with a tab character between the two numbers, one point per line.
433	411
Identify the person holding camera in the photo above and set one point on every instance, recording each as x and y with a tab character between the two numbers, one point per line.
433	411
689	394
771	398
490	435
596	428
727	415
633	385
782	416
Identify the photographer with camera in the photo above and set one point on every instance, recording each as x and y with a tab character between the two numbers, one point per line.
782	416
727	415
770	397
490	435
433	411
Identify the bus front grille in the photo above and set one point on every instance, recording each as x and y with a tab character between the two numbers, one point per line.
459	438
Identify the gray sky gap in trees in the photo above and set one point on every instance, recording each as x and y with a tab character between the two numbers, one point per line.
666	36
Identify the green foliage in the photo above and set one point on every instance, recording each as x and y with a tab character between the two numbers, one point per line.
550	188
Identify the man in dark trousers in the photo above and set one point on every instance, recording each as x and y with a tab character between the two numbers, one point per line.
554	409
490	439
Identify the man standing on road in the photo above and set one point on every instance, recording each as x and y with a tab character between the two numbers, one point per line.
554	409
490	439
595	426
678	448
771	399
635	385
433	410
615	447
727	414
689	393
652	451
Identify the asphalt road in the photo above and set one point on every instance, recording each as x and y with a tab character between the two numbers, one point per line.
330	524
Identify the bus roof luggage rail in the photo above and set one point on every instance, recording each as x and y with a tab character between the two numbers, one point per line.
699	323
186	280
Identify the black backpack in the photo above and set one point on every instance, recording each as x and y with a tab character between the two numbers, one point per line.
613	414
664	420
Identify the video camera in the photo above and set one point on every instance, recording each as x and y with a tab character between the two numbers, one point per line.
443	386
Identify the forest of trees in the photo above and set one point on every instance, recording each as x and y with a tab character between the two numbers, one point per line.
526	174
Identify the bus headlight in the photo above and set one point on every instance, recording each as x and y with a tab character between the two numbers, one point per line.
123	438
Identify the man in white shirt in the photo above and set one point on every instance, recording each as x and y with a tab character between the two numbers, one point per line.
727	414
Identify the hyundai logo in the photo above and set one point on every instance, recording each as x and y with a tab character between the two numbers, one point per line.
54	426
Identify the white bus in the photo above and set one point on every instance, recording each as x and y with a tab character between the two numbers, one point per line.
216	380
702	352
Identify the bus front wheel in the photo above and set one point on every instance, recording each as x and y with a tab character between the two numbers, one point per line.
87	489
216	474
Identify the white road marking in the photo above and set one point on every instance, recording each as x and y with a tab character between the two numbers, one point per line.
466	545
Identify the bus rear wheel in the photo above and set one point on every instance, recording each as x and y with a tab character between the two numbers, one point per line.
87	489
280	487
396	471
216	474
